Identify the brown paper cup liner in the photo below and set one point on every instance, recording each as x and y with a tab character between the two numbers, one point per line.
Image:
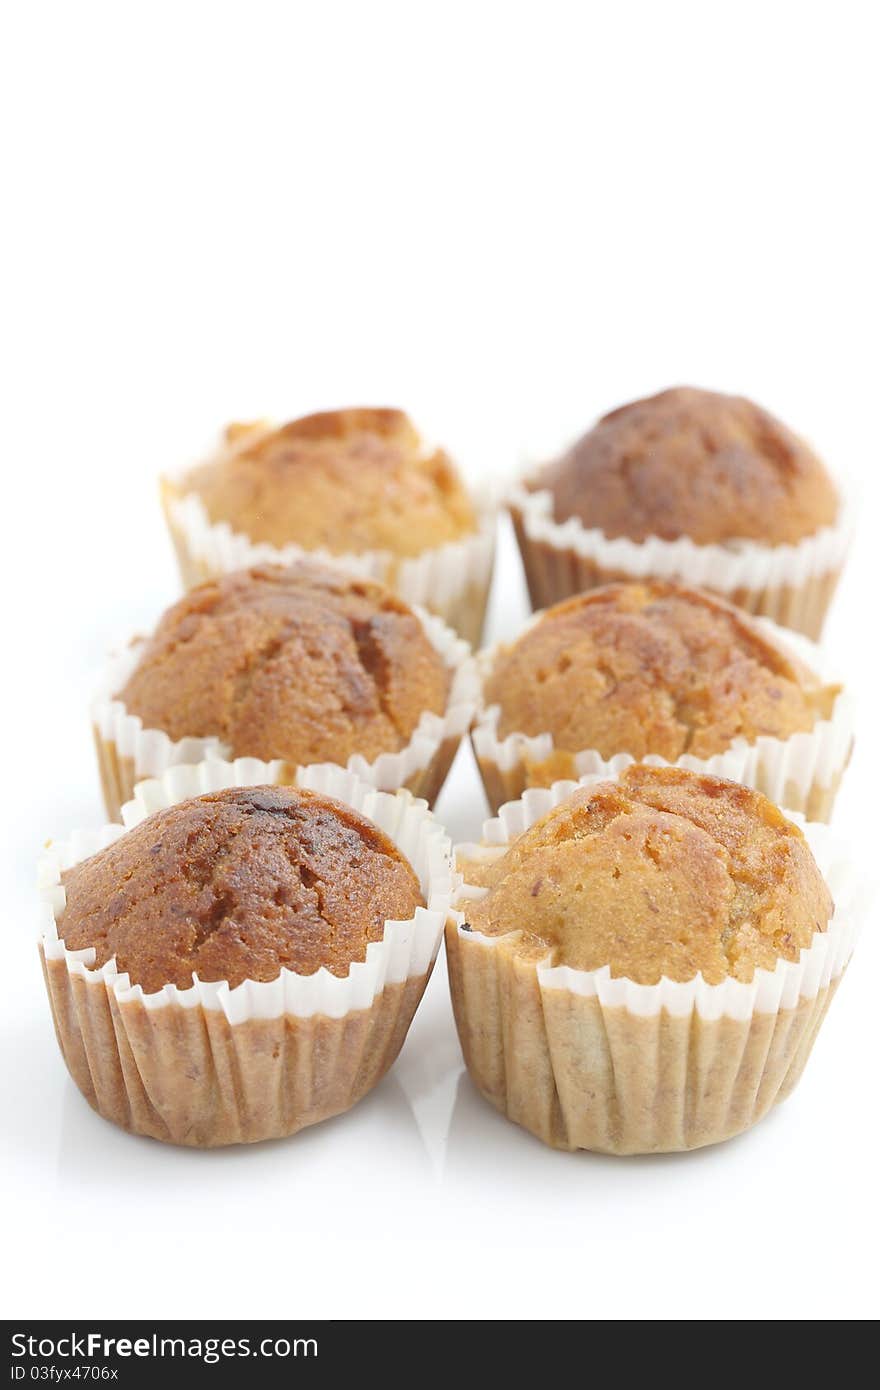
188	1076
800	773
555	570
209	1066
584	1061
452	580
127	752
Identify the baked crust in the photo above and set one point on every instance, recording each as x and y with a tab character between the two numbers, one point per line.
687	462
342	480
237	885
297	662
651	668
663	873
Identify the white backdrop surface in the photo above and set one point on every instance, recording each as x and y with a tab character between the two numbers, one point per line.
505	218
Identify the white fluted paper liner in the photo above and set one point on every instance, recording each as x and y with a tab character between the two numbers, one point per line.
451	580
128	752
638	1068
800	773
210	1065
791	583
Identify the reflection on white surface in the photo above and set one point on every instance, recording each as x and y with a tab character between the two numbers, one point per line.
385	1114
429	1067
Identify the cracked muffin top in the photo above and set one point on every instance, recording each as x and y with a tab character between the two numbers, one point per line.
693	463
651	667
666	872
238	885
295	662
342	480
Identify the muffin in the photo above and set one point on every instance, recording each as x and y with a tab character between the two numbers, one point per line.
692	485
360	485
296	664
655	669
244	962
641	965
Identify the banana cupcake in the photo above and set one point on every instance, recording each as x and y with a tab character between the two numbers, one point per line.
642	965
294	664
358	485
657	670
244	962
690	485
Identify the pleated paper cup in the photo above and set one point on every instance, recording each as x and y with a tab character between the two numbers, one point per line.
128	752
801	773
450	580
792	584
585	1061
210	1065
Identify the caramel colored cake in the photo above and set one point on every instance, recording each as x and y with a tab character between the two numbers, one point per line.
237	886
651	668
666	873
344	480
712	467
296	662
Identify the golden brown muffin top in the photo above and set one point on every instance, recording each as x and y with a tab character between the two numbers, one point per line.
693	463
344	480
238	885
667	872
651	668
295	662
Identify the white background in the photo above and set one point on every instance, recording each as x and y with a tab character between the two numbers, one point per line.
505	218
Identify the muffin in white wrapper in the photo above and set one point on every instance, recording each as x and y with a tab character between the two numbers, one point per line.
127	752
792	584
587	1061
801	773
451	580
210	1065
